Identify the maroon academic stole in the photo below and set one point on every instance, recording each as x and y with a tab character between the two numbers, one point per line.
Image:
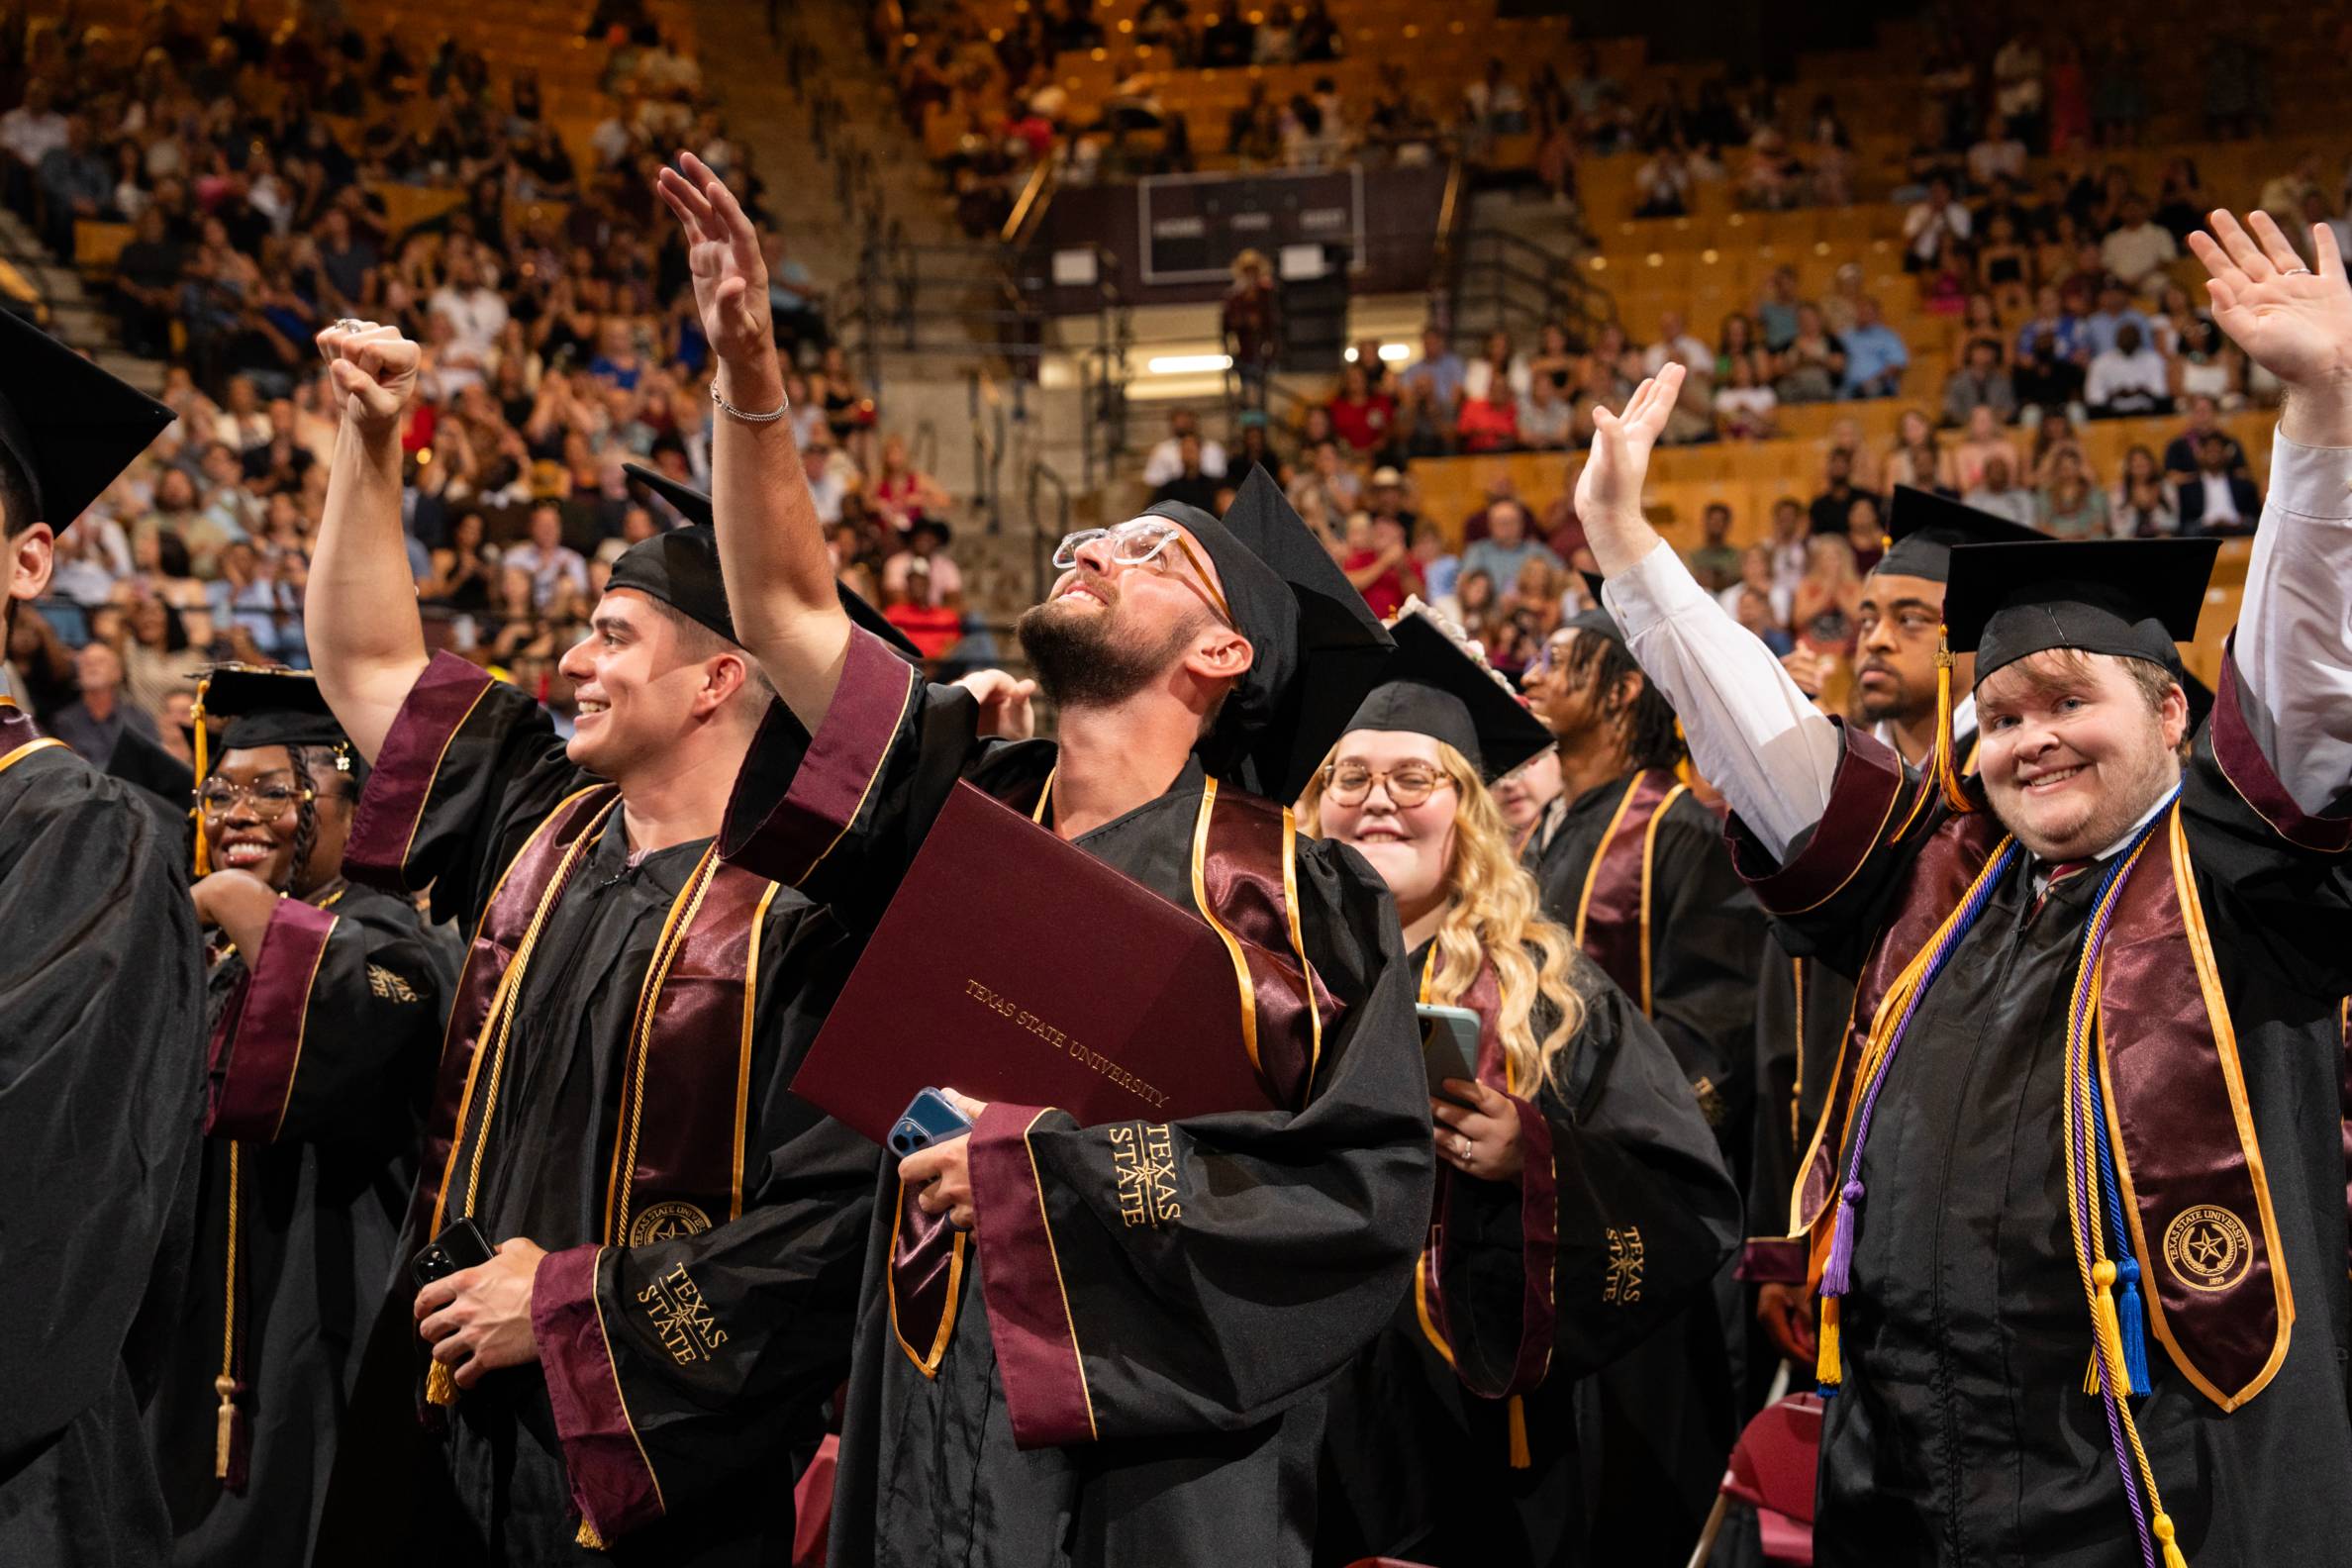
1488	1378
1245	884
1613	912
2196	1198
20	736
678	1138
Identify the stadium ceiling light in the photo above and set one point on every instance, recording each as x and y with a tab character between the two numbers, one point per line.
1188	364
1395	352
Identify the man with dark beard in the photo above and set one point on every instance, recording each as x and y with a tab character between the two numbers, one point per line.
1076	1381
2078	1212
1633	865
1801	1007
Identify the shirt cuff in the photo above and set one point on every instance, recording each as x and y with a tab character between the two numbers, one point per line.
2311	481
1652	591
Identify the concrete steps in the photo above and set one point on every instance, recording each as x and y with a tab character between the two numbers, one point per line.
75	316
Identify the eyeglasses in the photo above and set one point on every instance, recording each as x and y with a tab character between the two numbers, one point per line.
1551	657
270	802
1140	542
1348	783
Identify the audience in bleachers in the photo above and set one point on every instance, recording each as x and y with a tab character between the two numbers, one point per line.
249	185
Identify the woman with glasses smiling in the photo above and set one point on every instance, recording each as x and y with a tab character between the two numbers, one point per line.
1582	1198
326	1004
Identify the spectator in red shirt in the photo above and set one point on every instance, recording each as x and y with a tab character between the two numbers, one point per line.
1360	415
1379	562
1489	423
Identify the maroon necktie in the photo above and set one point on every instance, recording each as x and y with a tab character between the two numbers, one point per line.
2055	872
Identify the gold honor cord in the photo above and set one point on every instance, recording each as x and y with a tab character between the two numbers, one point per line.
224	1425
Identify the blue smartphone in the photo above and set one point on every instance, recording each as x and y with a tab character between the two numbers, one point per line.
928	1119
1450	1045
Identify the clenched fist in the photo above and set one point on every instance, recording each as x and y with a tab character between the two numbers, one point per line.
374	369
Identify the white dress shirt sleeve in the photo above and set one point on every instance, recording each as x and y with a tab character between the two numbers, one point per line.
2295	628
1751	731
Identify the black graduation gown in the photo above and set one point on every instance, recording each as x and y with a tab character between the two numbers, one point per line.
322	1042
1961	1433
1204	1343
1664	1415
705	1443
101	1087
1644	1213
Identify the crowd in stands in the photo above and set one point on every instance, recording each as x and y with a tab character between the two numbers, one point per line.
260	173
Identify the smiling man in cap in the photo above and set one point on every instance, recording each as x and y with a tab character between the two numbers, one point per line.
2075	1203
1163	1404
677	1237
101	1060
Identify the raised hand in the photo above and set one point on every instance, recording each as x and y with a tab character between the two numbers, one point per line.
730	280
1005	712
374	369
1608	491
2295	323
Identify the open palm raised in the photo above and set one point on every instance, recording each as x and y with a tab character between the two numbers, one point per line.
2294	322
1610	484
731	281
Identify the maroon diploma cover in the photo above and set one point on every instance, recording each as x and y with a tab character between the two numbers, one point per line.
1013	966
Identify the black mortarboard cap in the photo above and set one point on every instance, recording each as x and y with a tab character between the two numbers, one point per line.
250	705
1596	619
2134	598
69	427
685	575
1926	527
164	783
1318	647
1434	686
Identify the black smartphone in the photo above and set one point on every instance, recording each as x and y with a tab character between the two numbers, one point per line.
460	1246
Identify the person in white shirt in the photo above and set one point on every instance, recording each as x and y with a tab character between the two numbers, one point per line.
477	313
550	563
1998	492
31	130
1166	460
2129	378
2137	252
1676	342
1928	221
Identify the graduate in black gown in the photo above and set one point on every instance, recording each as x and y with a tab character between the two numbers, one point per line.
2078	1204
1123	1370
633	1375
1632	864
1801	1006
1584	1199
326	1000
101	1066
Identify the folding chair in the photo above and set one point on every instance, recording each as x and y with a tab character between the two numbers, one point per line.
1772	1471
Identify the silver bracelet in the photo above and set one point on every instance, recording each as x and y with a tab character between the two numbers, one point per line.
731	411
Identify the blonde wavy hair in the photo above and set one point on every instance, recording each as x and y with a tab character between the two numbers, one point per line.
1496	915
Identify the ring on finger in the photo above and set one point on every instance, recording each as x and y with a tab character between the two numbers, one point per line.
1462	1144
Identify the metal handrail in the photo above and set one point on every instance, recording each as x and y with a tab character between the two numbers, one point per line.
1036	194
1042	540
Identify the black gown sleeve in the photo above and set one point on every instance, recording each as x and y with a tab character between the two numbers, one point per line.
840	814
101	1083
327	1034
470	767
683	1368
1704	983
1147	1280
1623	1174
2280	875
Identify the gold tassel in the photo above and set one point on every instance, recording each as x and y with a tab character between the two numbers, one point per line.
1829	1365
1521	1457
1685	772
440	1386
1947	768
203	766
586	1535
2107	1331
2173	1555
225	1429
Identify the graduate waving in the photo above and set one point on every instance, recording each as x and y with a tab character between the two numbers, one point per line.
2075	1203
1094	1384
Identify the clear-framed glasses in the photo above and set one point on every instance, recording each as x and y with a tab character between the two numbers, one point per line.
1550	656
1409	783
271	799
1140	542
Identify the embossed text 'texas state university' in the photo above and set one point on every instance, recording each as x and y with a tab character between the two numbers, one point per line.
1092	1060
